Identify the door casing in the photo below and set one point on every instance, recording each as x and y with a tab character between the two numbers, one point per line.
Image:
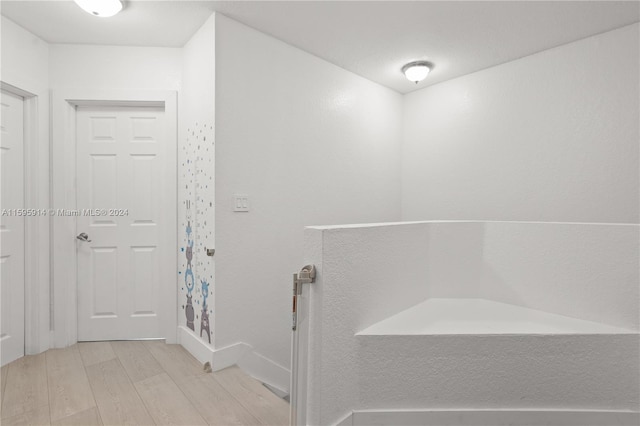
63	245
12	345
36	230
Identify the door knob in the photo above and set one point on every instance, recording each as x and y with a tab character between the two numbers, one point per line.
83	237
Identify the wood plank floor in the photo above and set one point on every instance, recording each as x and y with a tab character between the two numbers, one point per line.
132	383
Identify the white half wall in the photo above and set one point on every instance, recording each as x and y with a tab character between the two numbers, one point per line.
368	273
309	143
549	137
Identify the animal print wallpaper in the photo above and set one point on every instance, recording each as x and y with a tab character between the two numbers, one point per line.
196	225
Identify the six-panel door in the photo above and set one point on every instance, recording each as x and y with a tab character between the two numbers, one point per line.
122	207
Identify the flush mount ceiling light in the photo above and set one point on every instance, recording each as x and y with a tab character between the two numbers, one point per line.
101	8
417	71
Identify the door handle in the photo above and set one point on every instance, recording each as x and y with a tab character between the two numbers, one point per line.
83	237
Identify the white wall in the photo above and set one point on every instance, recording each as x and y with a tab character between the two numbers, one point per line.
196	176
550	137
310	144
198	74
115	67
25	65
586	271
25	58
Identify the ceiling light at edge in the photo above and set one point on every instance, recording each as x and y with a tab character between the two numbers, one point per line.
417	71
101	8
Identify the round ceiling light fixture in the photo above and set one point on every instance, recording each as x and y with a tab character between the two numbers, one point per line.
101	8
417	71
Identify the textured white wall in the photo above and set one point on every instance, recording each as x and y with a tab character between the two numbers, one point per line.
310	144
509	372
549	137
196	176
586	271
365	274
115	67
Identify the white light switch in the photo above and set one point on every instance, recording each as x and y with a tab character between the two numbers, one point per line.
240	203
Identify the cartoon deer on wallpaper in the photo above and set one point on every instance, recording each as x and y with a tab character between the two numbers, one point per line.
204	322
189	279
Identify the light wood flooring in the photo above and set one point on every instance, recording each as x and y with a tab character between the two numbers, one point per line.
132	383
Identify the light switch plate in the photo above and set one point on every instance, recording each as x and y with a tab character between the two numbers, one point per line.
240	203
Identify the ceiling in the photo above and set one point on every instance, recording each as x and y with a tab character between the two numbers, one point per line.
372	39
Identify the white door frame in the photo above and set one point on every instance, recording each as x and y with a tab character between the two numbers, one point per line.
36	229
63	248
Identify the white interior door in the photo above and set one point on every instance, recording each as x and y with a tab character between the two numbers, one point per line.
121	167
12	228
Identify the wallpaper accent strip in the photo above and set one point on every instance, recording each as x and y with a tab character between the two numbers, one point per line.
197	191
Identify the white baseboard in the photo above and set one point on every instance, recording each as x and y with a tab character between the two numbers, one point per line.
490	418
229	355
194	345
265	370
240	354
